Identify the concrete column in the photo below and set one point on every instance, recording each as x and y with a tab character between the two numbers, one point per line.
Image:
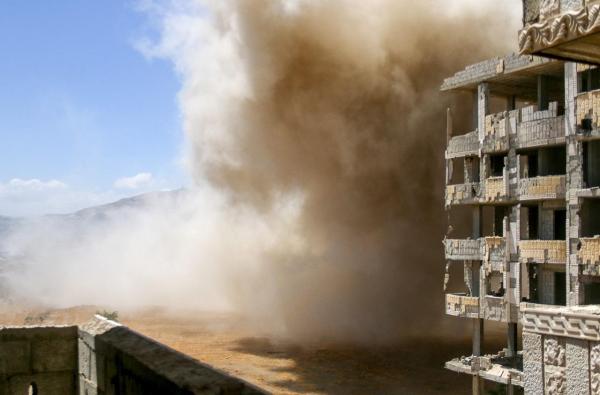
478	324
512	339
483	107
570	94
449	125
543	83
574	181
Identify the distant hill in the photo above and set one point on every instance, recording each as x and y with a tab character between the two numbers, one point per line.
133	202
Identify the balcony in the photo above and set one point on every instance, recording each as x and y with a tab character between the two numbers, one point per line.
496	189
463	193
588	110
495	252
498	368
548	187
465	145
541	132
563	29
497	127
579	322
460	305
494	308
463	249
588	255
543	251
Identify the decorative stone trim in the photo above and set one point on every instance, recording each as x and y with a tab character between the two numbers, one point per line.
553	31
575	322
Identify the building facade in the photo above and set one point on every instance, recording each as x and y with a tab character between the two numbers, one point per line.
523	196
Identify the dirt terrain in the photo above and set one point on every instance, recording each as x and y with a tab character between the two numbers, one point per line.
282	367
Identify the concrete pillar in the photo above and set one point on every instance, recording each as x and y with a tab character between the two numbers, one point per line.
570	94
574	181
478	324
543	83
483	107
512	339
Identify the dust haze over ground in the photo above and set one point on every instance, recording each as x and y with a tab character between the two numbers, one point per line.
316	134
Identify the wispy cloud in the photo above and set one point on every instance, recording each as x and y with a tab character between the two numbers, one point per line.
34	184
134	182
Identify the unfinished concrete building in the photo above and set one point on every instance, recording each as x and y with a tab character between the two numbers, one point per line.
102	357
524	201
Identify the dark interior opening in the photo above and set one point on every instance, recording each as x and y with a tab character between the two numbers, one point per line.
560	224
552	161
499	214
592	293
588	80
497	165
560	288
591	163
488	214
590	218
533	216
33	390
458	171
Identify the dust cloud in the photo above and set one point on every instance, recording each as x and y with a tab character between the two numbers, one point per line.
316	132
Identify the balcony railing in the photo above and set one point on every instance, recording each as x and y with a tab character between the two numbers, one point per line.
460	305
588	109
463	249
465	145
494	308
494	249
589	250
548	187
543	251
462	193
540	132
496	188
496	133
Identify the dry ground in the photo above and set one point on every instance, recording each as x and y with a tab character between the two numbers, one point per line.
415	367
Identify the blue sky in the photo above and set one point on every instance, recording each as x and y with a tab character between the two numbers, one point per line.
84	117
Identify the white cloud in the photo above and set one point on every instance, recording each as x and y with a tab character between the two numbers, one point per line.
134	182
34	184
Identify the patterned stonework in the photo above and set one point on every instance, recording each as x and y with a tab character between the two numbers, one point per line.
556	30
595	368
561	322
554	366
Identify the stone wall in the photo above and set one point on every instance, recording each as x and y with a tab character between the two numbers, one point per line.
103	357
116	360
43	357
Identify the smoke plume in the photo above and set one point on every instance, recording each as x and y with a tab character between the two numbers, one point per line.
316	129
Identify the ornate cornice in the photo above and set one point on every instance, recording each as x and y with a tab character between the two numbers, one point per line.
575	322
566	27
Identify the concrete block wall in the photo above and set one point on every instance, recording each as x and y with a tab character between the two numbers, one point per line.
116	360
103	357
42	357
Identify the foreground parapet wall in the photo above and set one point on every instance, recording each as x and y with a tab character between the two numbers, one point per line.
103	357
38	360
113	359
